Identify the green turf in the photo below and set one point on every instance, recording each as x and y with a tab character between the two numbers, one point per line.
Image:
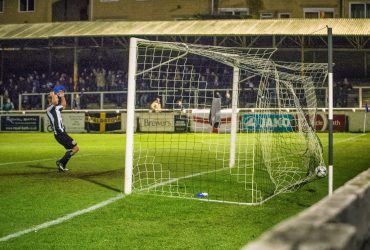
32	192
187	164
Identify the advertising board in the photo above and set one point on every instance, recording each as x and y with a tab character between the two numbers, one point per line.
20	123
267	122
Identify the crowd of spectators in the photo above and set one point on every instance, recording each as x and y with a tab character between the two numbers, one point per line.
89	79
183	79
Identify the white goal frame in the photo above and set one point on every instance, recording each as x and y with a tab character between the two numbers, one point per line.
130	123
265	166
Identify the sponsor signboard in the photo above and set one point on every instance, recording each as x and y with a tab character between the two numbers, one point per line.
73	122
339	122
268	122
156	122
103	121
199	121
20	123
181	123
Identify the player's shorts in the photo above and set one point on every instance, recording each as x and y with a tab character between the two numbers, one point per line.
65	140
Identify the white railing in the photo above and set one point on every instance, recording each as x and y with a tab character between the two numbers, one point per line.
355	98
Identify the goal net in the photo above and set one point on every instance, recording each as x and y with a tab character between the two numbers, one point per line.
235	126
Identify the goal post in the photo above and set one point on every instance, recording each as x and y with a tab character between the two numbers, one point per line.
130	120
235	126
234	115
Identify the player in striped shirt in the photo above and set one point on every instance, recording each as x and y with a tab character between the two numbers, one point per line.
57	103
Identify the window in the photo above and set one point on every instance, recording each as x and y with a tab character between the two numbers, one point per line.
318	12
284	15
26	5
359	10
233	11
266	15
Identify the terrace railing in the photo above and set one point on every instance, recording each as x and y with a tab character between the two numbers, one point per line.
343	98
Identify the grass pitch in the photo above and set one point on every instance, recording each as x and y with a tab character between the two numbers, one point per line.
33	192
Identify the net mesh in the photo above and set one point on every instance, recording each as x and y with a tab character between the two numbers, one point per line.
184	150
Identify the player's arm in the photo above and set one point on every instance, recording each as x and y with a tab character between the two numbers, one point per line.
54	98
62	99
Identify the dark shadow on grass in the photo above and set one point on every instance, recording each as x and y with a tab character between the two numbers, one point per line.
102	185
41	167
88	177
50	170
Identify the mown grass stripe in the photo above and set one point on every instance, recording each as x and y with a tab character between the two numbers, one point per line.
62	219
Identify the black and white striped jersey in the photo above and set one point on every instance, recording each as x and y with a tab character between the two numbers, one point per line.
55	116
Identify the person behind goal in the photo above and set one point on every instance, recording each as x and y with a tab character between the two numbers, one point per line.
57	103
156	105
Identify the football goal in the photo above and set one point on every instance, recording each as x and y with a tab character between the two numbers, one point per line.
234	125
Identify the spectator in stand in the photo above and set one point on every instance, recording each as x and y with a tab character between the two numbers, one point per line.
89	83
156	105
348	89
216	83
111	80
22	84
335	93
70	84
347	84
26	101
83	101
179	104
8	105
100	79
63	79
14	94
81	82
228	99
119	97
143	96
342	95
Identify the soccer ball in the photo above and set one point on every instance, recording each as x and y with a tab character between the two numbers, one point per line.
320	171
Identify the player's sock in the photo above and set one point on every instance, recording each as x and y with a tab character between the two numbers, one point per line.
66	157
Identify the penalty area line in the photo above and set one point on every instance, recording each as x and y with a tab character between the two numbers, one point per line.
62	219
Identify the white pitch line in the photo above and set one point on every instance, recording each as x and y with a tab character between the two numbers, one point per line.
184	177
350	139
17	162
347	139
62	219
48	159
